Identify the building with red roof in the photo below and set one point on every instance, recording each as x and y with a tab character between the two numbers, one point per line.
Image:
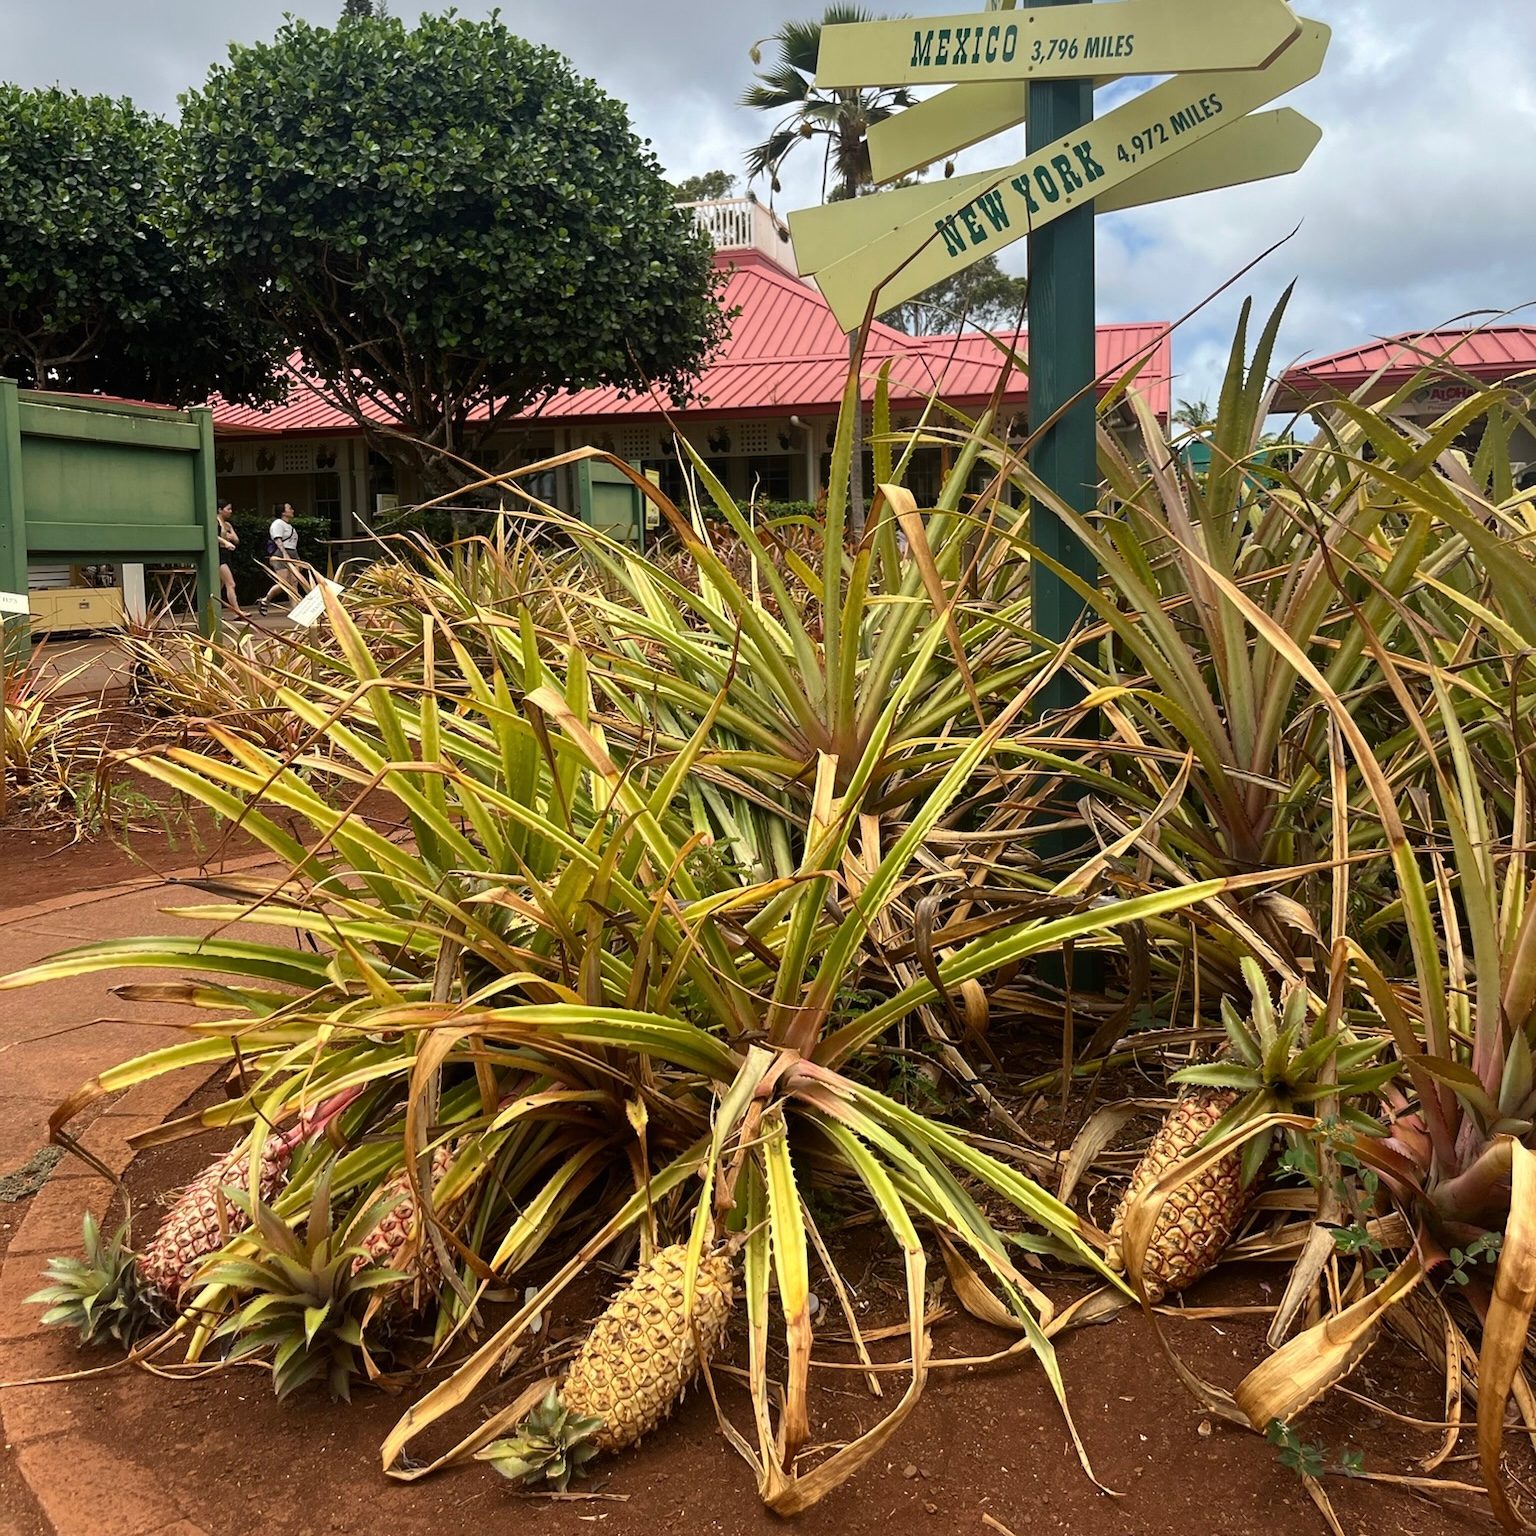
1444	368
763	414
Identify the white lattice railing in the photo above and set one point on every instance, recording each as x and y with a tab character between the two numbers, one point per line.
743	223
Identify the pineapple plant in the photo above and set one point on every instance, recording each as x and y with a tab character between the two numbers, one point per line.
101	1296
630	1372
1269	1064
303	1294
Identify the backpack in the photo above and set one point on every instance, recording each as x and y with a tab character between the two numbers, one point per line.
271	546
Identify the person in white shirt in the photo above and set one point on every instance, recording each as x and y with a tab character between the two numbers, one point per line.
283	553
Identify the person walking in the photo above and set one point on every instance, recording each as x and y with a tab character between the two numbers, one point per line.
228	540
283	551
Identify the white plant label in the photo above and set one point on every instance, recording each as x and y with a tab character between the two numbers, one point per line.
310	608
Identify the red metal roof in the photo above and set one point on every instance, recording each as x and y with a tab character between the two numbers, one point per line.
786	353
1489	353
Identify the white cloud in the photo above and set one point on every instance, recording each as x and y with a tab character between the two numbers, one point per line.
1419	204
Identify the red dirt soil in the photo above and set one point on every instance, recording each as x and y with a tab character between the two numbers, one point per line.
986	1451
166	834
40	863
984	1441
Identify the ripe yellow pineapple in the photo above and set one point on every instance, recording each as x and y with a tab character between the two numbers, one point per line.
1273	1063
631	1370
1198	1219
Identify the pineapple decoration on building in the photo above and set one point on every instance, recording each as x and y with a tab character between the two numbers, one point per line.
630	1372
1270	1064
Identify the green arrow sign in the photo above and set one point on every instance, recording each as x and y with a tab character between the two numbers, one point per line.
1142	133
1119	37
1262	145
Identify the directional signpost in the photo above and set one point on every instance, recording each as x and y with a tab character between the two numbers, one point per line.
1197	130
1071	170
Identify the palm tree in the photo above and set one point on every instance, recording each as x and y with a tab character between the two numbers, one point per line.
841	120
1194	414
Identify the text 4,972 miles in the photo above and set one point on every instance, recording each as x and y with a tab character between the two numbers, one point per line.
1131	148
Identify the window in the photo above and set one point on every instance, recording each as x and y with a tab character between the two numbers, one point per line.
327	501
769	479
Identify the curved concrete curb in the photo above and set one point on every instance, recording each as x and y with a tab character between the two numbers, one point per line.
54	1460
73	1476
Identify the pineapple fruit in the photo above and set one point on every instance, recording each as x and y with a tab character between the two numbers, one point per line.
631	1371
396	1242
1271	1063
198	1224
1198	1219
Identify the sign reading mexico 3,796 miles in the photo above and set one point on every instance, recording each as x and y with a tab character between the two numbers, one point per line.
1148	129
1114	37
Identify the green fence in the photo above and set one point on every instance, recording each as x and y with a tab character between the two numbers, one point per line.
92	481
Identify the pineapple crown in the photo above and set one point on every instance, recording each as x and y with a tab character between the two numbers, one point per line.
1283	1063
303	1295
551	1446
101	1295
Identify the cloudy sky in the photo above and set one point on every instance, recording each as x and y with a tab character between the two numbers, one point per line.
1419	205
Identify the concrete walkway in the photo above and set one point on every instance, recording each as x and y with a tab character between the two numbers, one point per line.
53	1038
92	665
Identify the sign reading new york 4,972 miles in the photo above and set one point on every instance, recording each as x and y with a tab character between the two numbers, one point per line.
1065	175
907	258
1115	37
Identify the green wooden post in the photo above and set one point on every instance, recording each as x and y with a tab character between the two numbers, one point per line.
1062	363
15	630
209	608
1063	358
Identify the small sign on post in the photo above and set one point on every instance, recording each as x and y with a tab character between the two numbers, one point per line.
1073	42
310	608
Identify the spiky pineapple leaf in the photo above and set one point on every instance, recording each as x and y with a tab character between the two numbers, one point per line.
100	1296
298	1298
551	1445
1218	1074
